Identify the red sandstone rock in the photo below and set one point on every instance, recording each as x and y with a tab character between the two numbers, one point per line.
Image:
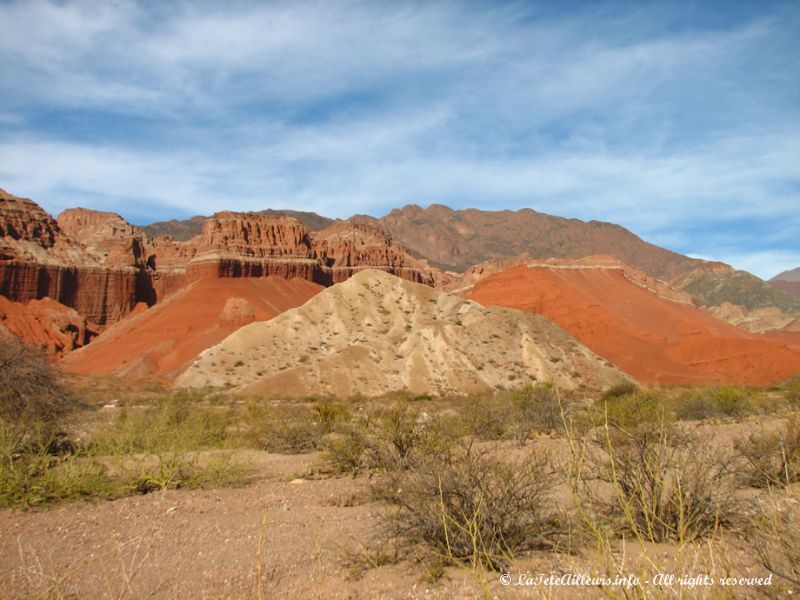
46	324
39	260
110	238
254	235
346	247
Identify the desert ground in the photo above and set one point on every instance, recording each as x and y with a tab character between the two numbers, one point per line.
208	494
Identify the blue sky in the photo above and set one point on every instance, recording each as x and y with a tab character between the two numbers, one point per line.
680	121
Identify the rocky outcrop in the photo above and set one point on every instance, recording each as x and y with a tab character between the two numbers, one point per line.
185	229
29	234
46	324
101	295
346	247
38	259
261	245
109	238
251	235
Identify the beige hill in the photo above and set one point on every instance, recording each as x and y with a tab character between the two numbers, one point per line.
376	333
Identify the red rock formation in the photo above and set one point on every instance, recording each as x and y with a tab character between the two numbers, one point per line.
651	338
465	283
165	338
38	259
28	233
250	234
346	247
111	239
46	324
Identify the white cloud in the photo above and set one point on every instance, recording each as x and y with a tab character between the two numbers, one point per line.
344	107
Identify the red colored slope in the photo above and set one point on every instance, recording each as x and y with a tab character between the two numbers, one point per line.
164	339
652	339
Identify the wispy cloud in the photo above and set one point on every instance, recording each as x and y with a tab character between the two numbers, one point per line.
683	127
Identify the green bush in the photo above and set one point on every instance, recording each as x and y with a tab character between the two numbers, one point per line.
631	410
176	425
142	450
712	402
30	474
344	452
621	390
792	391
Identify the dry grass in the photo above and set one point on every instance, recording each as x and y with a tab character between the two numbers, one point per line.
772	457
774	536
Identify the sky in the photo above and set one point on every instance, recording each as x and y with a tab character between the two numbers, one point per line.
677	120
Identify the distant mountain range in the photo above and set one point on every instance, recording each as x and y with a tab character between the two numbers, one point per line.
788	281
455	240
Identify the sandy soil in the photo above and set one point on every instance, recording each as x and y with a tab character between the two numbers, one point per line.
205	543
286	534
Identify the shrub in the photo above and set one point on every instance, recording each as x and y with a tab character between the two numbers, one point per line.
484	417
330	414
344	452
30	392
629	411
710	402
176	425
666	484
468	507
397	437
775	537
772	458
621	390
792	392
292	429
535	408
36	476
516	414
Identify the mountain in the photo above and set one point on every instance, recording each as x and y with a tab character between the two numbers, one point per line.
376	333
740	298
101	267
457	239
652	335
791	275
185	229
788	281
